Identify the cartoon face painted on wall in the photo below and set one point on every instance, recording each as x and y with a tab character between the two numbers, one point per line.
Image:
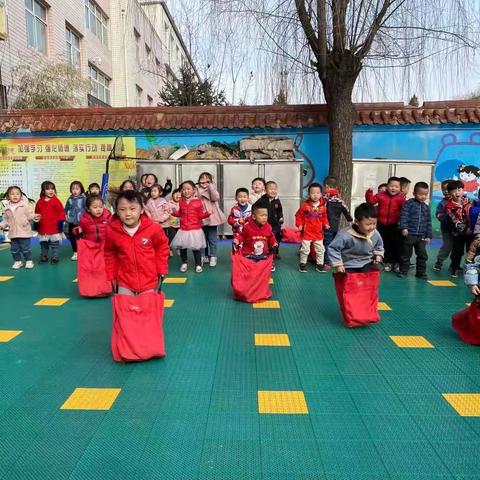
469	175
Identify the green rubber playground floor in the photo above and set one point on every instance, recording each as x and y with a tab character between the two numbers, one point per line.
322	402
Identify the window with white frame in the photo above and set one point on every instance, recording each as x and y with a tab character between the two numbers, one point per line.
73	47
96	21
99	84
36	20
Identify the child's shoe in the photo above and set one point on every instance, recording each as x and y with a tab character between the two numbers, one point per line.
421	276
198	269
17	265
44	259
388	267
205	260
273	267
28	264
437	267
396	268
302	267
74	256
213	262
54	260
320	268
184	267
453	272
401	275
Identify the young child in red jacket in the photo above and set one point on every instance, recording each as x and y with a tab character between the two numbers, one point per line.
93	222
136	249
311	219
50	226
389	205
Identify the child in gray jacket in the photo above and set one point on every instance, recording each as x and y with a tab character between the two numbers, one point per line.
358	248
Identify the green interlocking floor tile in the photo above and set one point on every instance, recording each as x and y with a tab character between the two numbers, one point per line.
378	403
313	382
367	384
339	428
233	426
448	428
286	427
229	401
411	384
403	428
428	404
330	403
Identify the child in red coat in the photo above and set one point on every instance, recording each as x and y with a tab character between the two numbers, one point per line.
136	249
311	219
93	222
389	206
50	226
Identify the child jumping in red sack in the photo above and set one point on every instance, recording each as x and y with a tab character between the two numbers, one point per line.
356	252
252	262
136	256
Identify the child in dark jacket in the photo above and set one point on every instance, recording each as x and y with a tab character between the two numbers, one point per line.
335	209
275	210
447	237
389	207
416	229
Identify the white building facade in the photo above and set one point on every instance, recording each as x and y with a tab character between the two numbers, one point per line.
126	48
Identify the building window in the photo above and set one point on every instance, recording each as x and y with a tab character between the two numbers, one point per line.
139	95
149	100
36	18
99	84
137	45
96	21
73	47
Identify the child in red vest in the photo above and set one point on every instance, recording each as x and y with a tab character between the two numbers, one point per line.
389	205
311	219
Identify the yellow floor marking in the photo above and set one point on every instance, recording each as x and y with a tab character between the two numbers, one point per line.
5	278
91	399
282	402
168	302
272	340
382	306
412	341
442	283
175	280
465	404
51	302
7	335
267	304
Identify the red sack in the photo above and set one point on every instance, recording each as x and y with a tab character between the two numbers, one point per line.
291	235
137	330
467	323
91	276
357	295
250	279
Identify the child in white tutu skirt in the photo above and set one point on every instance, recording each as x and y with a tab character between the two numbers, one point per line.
190	234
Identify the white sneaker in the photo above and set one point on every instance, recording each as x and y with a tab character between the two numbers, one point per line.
198	269
74	257
28	264
387	267
17	265
213	261
184	267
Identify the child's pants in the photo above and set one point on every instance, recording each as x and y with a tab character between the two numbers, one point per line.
392	242
460	245
196	255
72	237
305	250
211	237
418	243
53	246
446	248
328	236
170	232
20	247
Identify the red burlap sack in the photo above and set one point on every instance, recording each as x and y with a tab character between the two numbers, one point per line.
137	330
91	277
467	323
250	279
357	295
291	235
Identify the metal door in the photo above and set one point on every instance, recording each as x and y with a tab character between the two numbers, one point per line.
191	170
367	174
158	168
415	172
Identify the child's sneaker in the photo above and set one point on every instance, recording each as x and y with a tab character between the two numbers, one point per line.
320	268
28	264
44	259
184	267
302	267
213	262
273	267
453	272
74	256
437	267
388	267
198	269
205	260
17	265
396	268
54	260
422	276
401	275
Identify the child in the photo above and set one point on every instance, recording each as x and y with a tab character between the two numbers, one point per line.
208	194
190	234
311	219
335	209
275	212
74	209
458	222
256	238
50	225
171	226
390	205
405	185
258	189
93	222
127	185
17	216
382	188
136	249
358	248
447	237
148	180
240	212
416	229
157	207
94	189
